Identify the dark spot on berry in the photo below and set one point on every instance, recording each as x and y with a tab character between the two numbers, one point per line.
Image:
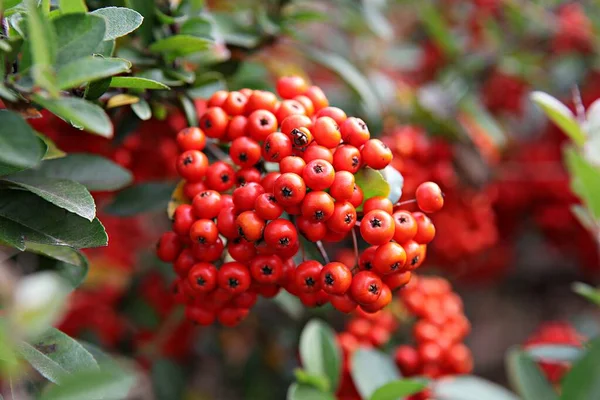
355	161
225	178
373	288
375	223
415	260
403	219
263	121
275	157
239	99
319	215
175	289
284	241
348	218
310	282
207	123
287	192
336	127
201	281
267	146
362	125
368	266
394	266
204	194
241	181
243	157
329	279
240	231
318	168
188	160
272	198
295	106
233	283
201	239
267	270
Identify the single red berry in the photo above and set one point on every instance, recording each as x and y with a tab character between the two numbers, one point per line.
415	254
382	301
237	128
365	261
289	189
294	122
268	181
245	152
226	222
317	152
247	175
208	252
250	226
203	277
192	165
207	204
204	231
241	250
355	132
281	234
191	189
220	176
317	97
343	186
378	203
169	246
347	158
261	123
377	227
425	228
234	277
183	218
430	352
406	226
343	218
266	269
291	86
343	303
336	278
309	108
397	280
326	132
267	208
317	206
184	262
376	154
218	98
335	113
357	196
231	317
287	108
261	100
308	276
292	164
429	197
276	147
366	287
312	230
235	104
244	197
214	122
318	175
389	258
407	359
459	359
191	139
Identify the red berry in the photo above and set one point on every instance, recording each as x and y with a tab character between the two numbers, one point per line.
378	203
220	176
247	175
199	315
425	228
365	261
366	287
343	218
208	252
191	139
308	276
218	98
407	359
347	158
317	152
326	132
244	197
336	278
294	122
245	152
237	128
214	122
289	189
429	197
337	114
183	218
268	181
355	132
226	222
287	108
184	263
250	226
357	196
291	86
281	234
266	269
261	100
231	317
169	247
203	277
318	206
382	301
389	258
406	226
261	123
376	154
207	204
266	207
235	103
191	189
318	175
309	108
241	250
276	147
234	277
397	280
343	303
292	164
312	230
343	186
377	227
317	97
192	165
204	231
415	254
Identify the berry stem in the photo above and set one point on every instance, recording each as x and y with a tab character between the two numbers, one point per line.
355	244
217	152
405	202
322	251
579	108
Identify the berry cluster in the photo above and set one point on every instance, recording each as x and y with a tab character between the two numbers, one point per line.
555	333
289	170
438	331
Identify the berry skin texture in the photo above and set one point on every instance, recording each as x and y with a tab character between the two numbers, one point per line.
318	175
397	280
377	227
343	218
287	108
218	98
318	206
291	86
234	277
407	359
281	234
347	158
406	226
376	154
226	222
383	300
220	176
336	278
250	226
294	122
207	204
308	276
245	152
366	287
425	228
235	103
192	165
326	132
389	258
289	189
335	113
317	152
378	203
342	187
236	128
241	250
261	123
292	164
204	231
276	147
365	261
343	303
266	270
317	97
169	247
266	207
199	315
191	139
245	196
214	122
355	132
312	231
183	218
429	197
203	277
191	189
261	100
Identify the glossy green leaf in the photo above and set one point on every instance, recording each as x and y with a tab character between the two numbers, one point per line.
370	370
582	383
52	151
142	110
55	355
189	109
140	198
555	353
133	82
592	294
120	21
373	184
180	45
106	48
469	387
11	234
19	145
95	90
305	392
95	172
585	180
72	6
38	221
527	378
398	389
73	265
43	47
89	69
560	115
147	10
318	381
91	385
319	352
79	112
64	193
77	36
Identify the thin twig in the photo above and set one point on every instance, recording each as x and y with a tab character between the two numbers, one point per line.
322	251
405	202
355	244
217	152
579	108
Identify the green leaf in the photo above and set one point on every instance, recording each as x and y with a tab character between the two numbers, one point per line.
585	180
52	151
89	69
469	387
370	370
140	198
399	389
119	21
582	383
142	110
189	110
319	352
73	265
526	377
560	115
590	293
72	6
106	48
39	221
372	184
79	112
304	392
168	380
67	194
56	355
555	353
43	46
96	173
94	90
91	385
133	82
77	36
19	145
318	381
351	75
180	45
